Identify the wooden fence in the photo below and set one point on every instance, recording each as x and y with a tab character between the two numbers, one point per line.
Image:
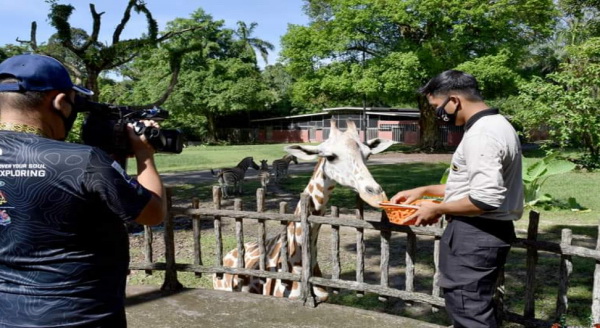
533	246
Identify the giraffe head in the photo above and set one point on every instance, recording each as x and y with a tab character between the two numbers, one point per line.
344	159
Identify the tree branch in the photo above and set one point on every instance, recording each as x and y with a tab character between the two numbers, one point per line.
370	52
124	20
171	34
95	30
32	37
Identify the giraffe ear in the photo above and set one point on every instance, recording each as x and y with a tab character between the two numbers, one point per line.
303	152
378	145
334	130
351	127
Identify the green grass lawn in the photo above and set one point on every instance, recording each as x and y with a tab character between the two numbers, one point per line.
206	157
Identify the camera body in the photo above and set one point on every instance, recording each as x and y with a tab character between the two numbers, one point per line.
105	127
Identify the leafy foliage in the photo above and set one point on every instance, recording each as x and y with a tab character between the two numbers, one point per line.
215	75
566	103
355	51
495	74
536	174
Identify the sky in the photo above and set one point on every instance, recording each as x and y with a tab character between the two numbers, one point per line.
272	17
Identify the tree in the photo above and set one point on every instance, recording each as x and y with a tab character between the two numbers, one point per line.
85	56
214	78
432	35
496	77
578	21
10	50
567	101
279	82
249	44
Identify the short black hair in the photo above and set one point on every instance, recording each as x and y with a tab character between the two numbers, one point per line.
23	100
453	81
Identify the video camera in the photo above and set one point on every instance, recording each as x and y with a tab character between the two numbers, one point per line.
105	127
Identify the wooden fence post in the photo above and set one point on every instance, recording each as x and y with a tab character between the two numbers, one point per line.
170	283
216	191
411	250
566	268
307	260
239	237
148	239
436	290
283	253
260	200
262	231
596	288
385	236
336	269
531	263
197	241
360	246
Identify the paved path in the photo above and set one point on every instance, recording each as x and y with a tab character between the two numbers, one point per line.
147	307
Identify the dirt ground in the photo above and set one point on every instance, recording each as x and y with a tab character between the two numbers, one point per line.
348	242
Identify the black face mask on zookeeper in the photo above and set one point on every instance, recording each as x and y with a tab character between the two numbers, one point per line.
441	113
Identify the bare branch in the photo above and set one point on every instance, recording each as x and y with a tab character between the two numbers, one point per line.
124	20
168	91
95	30
32	37
170	88
121	62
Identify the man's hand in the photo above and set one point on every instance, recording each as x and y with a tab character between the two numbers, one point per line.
139	143
427	214
408	196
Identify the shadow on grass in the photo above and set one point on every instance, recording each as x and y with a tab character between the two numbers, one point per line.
589	231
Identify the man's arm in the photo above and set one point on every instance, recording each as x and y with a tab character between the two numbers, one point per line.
460	207
155	211
409	196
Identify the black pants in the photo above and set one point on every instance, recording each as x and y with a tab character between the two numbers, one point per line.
472	250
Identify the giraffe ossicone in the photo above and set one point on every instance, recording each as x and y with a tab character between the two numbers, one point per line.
340	159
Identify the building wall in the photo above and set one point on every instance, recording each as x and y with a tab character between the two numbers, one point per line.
403	130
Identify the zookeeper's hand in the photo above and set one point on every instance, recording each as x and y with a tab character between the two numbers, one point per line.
408	196
427	214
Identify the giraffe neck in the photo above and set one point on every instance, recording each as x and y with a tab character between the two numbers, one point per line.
319	189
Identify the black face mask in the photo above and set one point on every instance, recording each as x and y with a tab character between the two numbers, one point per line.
441	113
68	121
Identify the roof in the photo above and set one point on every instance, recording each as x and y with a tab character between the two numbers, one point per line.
384	111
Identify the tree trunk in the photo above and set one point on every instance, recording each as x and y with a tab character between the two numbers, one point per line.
210	124
92	82
430	140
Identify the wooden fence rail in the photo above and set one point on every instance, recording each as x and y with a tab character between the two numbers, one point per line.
564	249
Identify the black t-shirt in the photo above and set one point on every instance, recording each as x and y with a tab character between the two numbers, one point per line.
63	244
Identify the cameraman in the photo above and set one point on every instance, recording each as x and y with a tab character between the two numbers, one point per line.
63	243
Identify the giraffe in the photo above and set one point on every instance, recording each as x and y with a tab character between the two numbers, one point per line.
341	159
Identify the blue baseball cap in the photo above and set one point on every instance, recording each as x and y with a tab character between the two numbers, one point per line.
37	73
